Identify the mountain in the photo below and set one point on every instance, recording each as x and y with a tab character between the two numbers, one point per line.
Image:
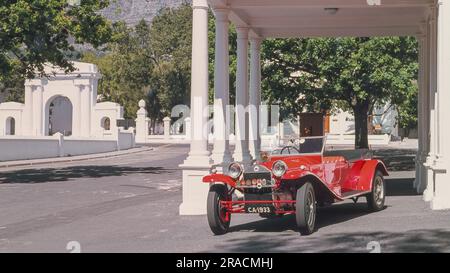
132	11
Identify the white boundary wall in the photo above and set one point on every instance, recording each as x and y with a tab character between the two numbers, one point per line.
22	148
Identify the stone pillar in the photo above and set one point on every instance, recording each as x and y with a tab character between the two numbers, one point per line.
85	110
27	121
422	181
242	152
421	111
221	152
432	39
198	162
38	111
141	123
255	97
77	111
187	128
441	198
166	123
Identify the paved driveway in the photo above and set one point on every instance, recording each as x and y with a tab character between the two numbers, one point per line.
130	204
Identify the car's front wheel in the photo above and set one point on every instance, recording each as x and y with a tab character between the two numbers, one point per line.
376	199
218	218
305	205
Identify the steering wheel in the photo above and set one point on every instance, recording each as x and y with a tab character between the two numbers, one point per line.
289	149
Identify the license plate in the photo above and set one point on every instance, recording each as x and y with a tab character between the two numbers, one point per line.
259	209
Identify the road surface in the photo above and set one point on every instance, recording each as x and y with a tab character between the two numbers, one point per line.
130	204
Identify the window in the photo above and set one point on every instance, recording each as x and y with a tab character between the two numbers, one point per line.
106	123
10	126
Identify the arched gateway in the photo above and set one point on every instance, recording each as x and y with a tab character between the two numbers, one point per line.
64	103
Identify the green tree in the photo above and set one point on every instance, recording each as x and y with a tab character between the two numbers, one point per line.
34	32
126	66
353	73
171	38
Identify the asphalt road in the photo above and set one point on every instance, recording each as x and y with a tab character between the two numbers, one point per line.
130	204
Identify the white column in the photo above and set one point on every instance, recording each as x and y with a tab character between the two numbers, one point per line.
166	123
141	123
441	198
188	130
420	109
38	111
242	152
27	123
221	152
77	110
198	162
429	191
86	111
425	119
255	97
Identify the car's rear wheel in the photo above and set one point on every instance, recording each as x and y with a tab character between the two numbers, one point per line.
305	206
376	199
218	218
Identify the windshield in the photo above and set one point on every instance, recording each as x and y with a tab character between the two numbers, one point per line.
304	145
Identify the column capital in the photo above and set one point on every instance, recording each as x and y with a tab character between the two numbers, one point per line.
242	32
33	83
221	14
200	4
256	42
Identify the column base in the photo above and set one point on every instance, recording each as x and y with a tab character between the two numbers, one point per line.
197	161
195	192
429	186
420	182
441	194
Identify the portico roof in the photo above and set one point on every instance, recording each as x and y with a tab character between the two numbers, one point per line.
327	18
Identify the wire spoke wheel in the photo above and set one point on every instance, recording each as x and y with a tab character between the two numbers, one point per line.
376	199
218	217
306	209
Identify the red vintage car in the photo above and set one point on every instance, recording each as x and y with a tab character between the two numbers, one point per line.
295	180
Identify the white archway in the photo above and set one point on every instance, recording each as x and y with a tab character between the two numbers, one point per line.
59	116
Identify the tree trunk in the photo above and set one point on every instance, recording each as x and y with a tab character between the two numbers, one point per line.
361	128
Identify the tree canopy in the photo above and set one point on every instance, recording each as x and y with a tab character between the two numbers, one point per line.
351	73
126	66
34	32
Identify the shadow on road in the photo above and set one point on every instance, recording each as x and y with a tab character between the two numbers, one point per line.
68	173
331	215
326	216
411	241
397	159
400	187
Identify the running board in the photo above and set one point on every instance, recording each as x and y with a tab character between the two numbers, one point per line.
351	194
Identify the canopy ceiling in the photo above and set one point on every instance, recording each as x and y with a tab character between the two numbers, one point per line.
327	18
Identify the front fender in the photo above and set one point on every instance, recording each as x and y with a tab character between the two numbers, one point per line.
297	174
219	178
368	172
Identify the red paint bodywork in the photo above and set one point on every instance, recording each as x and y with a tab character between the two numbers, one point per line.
341	178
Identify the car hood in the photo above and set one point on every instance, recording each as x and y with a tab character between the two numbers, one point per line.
294	161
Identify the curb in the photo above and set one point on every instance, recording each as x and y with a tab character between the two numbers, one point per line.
32	162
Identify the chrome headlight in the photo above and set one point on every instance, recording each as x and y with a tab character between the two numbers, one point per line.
234	170
279	168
